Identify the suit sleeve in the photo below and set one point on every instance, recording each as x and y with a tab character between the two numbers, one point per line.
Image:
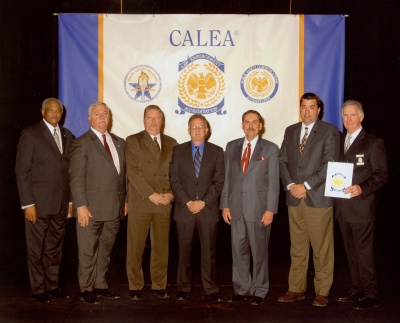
78	159
216	187
330	152
134	169
180	194
225	191
23	171
379	169
273	181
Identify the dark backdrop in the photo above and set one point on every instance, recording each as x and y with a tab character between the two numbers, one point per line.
28	75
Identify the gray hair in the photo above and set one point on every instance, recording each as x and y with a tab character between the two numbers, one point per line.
94	104
44	104
356	103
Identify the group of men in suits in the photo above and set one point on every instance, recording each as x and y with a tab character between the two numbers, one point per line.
99	169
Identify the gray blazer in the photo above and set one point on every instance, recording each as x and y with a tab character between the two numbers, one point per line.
41	171
322	146
252	194
94	180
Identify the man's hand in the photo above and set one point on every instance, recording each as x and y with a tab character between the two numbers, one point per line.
298	191
226	214
69	215
31	213
83	216
267	218
195	206
156	198
353	190
166	198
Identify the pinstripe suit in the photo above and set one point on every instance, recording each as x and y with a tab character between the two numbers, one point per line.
42	180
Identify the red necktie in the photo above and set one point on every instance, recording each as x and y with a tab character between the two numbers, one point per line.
106	146
246	158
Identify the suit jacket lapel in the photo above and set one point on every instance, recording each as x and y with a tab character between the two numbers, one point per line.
355	143
49	138
296	139
151	145
255	155
64	141
310	138
99	145
238	154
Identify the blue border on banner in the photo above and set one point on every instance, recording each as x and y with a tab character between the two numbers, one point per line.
78	67
324	59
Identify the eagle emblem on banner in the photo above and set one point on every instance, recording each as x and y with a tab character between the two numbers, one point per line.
259	83
201	85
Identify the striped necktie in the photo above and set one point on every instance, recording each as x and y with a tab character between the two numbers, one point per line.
197	161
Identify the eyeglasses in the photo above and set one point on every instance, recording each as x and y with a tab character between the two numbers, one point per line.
201	127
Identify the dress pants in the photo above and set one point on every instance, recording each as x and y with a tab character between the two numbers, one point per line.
44	240
250	241
95	243
208	235
359	245
315	225
139	225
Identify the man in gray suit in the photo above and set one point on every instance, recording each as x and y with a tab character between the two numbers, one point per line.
197	177
249	201
42	179
306	149
98	186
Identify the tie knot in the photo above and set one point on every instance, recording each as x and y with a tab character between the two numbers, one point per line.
306	129
249	144
197	148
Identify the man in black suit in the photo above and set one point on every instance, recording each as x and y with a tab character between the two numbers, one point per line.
98	187
197	179
357	215
307	148
42	179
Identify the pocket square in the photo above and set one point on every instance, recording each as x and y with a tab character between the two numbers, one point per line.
262	158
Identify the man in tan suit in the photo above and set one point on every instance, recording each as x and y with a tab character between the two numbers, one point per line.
148	155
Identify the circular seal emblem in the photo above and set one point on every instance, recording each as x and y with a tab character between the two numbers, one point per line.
201	85
338	182
142	83
259	83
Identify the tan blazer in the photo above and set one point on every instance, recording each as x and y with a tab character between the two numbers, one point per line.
148	171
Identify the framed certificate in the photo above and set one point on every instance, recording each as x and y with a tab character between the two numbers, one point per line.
338	177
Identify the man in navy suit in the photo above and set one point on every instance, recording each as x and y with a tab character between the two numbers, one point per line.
197	178
249	201
357	215
98	186
306	149
42	179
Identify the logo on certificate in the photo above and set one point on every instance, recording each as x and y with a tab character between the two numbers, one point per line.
338	181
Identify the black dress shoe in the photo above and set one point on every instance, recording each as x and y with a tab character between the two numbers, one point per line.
89	297
238	298
181	296
351	296
256	300
57	293
213	298
135	295
161	293
105	292
42	298
366	303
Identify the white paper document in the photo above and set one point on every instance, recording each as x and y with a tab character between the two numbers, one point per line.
338	177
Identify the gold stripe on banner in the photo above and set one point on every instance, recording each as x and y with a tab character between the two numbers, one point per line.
301	58
100	58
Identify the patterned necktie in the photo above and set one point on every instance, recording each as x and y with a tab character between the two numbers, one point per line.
57	140
106	146
157	144
246	158
304	140
347	143
197	161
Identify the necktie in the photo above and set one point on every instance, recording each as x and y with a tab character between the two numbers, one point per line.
304	140
157	144
106	146
57	140
197	161
246	158
347	143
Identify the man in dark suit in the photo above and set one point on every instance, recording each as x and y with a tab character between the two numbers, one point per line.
249	201
148	155
98	186
197	177
306	149
42	179
357	215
